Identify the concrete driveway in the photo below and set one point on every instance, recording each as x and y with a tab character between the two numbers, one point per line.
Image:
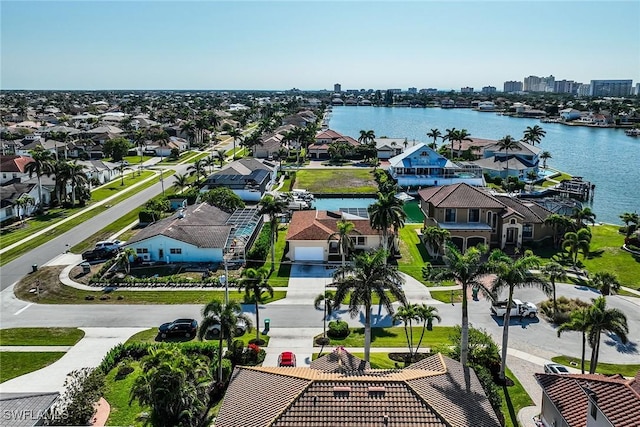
306	282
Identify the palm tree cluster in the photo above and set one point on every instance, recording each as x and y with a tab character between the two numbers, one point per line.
420	313
533	135
387	214
454	135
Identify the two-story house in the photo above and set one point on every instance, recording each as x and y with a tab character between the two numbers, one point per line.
249	178
518	161
473	216
421	166
320	147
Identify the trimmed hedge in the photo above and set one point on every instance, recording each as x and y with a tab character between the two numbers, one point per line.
338	329
260	249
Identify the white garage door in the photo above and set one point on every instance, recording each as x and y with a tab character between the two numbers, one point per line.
309	254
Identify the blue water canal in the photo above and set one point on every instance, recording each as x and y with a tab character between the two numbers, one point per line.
606	157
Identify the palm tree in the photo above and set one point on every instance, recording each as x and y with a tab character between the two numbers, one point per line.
189	128
554	272
41	165
462	135
560	225
607	283
328	301
510	274
226	317
76	175
236	134
533	135
197	169
221	156
368	275
273	207
451	137
507	143
435	134
344	233
387	213
367	137
124	259
601	319
254	283
406	314
577	322
22	203
468	270
435	238
545	156
140	139
427	314
582	216
574	243
181	181
631	221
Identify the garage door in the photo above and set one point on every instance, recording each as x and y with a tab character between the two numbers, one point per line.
309	254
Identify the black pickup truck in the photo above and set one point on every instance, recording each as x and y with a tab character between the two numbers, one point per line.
99	254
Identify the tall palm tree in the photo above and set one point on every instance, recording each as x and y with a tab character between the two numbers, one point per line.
602	319
462	135
76	175
197	169
511	274
407	314
123	260
451	137
574	243
368	275
560	225
631	221
607	283
236	134
545	156
254	283
345	231
583	216
189	129
181	181
533	135
41	165
468	270
435	238
367	137
327	299
273	207
226	317
435	134
578	321
140	139
22	204
554	272
507	143
427	314
385	214
221	156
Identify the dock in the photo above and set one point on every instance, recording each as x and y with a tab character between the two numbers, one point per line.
575	188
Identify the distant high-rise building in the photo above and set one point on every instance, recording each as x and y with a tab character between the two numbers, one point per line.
512	86
610	87
466	90
583	89
637	92
539	84
412	90
489	89
395	90
337	87
429	91
565	86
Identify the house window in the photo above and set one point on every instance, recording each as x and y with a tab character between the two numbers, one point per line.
361	241
142	250
4	176
424	154
449	215
527	230
513	221
175	251
474	215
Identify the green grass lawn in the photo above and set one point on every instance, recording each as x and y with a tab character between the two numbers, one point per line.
336	180
603	368
117	394
149	336
40	336
377	360
135	160
395	337
413	253
184	156
282	269
550	183
514	398
15	364
445	296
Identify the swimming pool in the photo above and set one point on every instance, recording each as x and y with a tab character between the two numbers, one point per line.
411	208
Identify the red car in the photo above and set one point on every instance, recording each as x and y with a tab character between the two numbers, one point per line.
287	358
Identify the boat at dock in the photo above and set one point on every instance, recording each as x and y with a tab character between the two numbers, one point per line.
632	132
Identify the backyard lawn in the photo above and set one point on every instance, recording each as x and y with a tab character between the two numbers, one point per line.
282	269
16	363
40	336
413	253
336	181
514	398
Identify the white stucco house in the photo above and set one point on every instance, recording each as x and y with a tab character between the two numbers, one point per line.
249	178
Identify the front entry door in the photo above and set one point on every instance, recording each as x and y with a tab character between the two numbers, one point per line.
512	235
161	254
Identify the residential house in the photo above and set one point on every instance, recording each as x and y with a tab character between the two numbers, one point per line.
519	162
13	167
591	400
99	171
179	144
389	147
198	233
268	146
569	114
473	216
9	193
301	119
340	389
249	178
309	231
319	149
421	166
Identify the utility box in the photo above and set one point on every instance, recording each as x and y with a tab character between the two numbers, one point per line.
267	324
86	267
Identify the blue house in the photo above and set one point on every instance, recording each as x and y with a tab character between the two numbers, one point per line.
421	166
519	162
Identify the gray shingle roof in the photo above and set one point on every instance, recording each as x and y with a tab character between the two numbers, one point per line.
24	409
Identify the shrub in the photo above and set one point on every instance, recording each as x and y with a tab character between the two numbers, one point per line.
75	406
292	181
338	329
490	389
260	249
565	307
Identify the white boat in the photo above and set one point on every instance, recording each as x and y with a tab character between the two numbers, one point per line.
632	132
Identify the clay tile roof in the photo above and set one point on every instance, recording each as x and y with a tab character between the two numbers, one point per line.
319	225
14	163
459	196
617	397
339	360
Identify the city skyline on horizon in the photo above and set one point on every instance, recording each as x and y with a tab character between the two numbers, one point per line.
267	45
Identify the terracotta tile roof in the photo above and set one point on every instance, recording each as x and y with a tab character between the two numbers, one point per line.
319	225
339	360
14	163
459	196
617	397
432	394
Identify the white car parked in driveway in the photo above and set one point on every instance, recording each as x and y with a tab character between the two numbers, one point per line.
110	244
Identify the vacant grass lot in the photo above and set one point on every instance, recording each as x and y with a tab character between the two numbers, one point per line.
40	336
395	337
336	181
54	292
413	253
16	363
149	336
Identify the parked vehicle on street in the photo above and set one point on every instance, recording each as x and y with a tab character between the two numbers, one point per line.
109	244
99	254
555	368
287	358
179	328
214	330
518	308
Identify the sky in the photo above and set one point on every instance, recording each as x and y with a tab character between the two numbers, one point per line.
311	45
